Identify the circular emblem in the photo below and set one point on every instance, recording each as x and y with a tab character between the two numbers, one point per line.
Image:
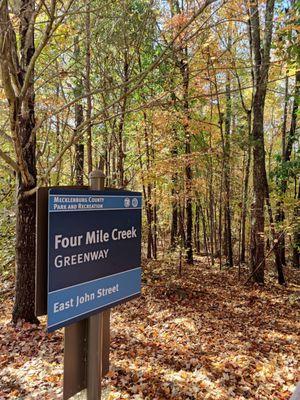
126	202
135	202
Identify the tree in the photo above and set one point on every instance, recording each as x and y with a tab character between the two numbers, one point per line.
261	47
17	62
17	71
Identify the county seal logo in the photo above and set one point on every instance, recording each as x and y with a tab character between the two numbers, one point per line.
135	202
126	202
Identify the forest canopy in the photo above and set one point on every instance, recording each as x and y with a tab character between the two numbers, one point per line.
193	103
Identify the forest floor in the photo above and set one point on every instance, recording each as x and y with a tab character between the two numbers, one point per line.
202	336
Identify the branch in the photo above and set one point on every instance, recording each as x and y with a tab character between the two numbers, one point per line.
9	53
9	161
138	80
50	29
5	135
38	50
6	81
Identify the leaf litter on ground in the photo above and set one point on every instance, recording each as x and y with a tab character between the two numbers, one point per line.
201	336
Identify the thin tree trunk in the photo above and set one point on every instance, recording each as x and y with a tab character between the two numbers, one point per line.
296	234
88	86
197	228
58	142
204	230
79	147
280	216
174	220
220	223
151	210
148	209
184	68
227	170
261	61
245	193
181	227
174	204
292	138
155	227
121	153
211	217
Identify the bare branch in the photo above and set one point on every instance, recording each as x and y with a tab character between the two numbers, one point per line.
9	161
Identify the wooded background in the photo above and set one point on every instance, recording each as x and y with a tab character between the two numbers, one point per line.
193	103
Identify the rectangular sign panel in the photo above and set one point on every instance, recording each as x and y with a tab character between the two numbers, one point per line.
94	252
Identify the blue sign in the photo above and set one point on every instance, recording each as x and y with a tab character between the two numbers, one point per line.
94	252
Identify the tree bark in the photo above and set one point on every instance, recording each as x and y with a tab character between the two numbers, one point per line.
25	257
174	202
287	146
148	208
197	228
245	193
204	229
79	147
88	85
184	68
14	67
275	237
296	234
211	218
227	170
174	218
155	232
121	153
261	61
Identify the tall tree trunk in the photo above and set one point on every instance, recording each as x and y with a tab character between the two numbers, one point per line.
181	231
211	219
121	153
148	207
25	221
220	222
261	61
287	146
155	233
280	216
14	68
147	191
204	230
275	237
79	147
174	217
184	68
58	142
258	217
197	228
88	85
174	202
296	234
227	169
245	192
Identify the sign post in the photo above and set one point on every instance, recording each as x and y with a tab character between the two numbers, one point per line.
85	338
95	324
